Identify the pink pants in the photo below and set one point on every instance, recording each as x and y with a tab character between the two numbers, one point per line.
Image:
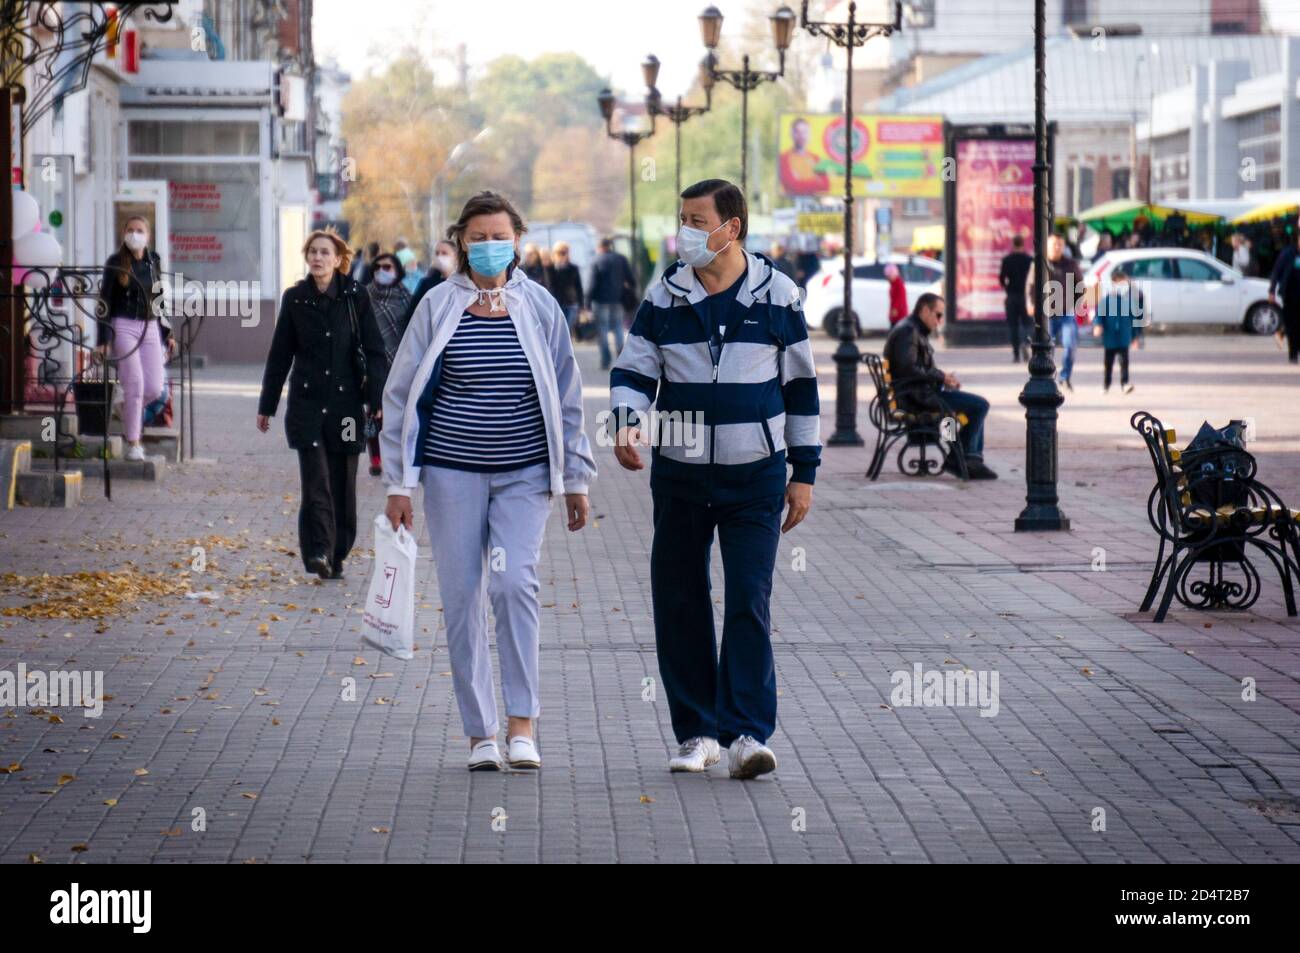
140	369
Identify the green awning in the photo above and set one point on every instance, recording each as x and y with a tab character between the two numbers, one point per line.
1119	214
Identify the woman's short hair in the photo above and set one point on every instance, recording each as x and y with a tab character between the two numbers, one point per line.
335	239
486	202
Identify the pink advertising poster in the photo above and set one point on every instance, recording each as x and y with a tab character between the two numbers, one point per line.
995	202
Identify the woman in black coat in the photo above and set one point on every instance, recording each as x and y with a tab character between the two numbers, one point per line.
327	333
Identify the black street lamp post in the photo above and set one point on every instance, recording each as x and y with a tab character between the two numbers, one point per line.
629	138
676	114
743	79
1041	398
851	34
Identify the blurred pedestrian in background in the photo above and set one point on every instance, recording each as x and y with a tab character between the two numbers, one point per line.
390	302
897	294
1016	265
566	284
611	281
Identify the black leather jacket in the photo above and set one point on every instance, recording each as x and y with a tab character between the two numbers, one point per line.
911	366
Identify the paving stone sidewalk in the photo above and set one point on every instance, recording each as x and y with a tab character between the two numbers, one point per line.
236	707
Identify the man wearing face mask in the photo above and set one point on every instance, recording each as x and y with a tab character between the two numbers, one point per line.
719	345
444	263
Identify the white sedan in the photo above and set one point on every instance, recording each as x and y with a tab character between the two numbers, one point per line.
1186	286
824	300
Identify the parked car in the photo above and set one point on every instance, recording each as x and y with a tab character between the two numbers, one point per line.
824	303
1184	286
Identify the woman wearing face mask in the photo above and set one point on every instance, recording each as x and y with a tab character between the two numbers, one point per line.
444	263
129	317
484	408
326	332
390	301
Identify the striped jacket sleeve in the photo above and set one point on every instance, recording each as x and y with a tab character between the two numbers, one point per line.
634	381
799	392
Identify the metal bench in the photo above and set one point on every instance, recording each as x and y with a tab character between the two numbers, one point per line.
919	431
1212	514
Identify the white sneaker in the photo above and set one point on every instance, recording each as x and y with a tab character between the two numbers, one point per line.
485	756
749	759
135	452
523	753
1128	388
696	754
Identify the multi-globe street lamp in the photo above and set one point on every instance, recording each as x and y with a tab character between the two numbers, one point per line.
676	114
882	18
630	138
743	79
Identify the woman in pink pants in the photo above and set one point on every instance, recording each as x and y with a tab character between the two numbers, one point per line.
127	307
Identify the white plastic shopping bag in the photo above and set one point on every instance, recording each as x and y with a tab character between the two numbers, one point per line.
388	620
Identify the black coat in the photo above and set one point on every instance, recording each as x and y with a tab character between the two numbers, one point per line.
135	299
911	366
313	334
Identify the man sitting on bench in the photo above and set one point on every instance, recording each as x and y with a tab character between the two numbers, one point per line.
920	387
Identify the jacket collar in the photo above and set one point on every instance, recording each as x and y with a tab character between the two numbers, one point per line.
681	281
513	290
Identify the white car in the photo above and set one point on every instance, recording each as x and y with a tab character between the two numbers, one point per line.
1186	286
824	301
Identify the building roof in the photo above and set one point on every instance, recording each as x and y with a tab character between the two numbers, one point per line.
1087	80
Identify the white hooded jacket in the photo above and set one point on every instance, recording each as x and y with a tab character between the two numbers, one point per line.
417	366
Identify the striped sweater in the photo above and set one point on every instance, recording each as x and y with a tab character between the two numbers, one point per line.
486	416
722	428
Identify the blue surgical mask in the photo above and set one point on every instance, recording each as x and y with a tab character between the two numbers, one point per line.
490	258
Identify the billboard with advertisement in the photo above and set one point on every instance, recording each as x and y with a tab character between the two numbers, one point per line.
891	156
995	202
989	202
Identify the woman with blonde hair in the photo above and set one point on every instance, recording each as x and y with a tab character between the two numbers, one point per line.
484	408
329	347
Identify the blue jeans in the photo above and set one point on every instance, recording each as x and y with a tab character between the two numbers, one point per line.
571	316
609	317
1065	332
976	408
708	696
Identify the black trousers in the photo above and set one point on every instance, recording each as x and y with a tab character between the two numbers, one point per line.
1291	324
327	518
1017	326
1122	354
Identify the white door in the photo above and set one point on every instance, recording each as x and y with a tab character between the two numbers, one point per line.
1204	297
147	197
1156	278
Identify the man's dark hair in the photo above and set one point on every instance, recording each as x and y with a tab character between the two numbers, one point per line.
605	244
727	199
925	300
1018	242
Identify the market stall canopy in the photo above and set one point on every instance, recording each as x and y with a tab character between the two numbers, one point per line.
926	237
1268	211
1119	214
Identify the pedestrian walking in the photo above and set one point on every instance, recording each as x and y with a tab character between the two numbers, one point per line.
780	262
897	294
611	280
390	301
1285	279
1118	318
328	346
566	284
411	273
444	263
1064	284
1013	276
533	266
484	409
719	345
131	327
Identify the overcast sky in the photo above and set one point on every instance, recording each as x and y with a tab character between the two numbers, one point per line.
597	29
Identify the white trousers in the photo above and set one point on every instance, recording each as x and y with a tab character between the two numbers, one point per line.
486	532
